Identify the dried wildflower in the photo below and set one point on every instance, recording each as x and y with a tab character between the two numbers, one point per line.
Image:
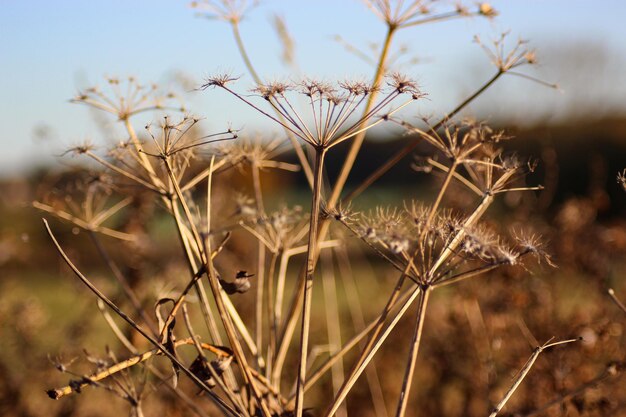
404	85
228	10
340	213
460	142
532	244
174	137
80	149
417	12
518	56
257	152
331	107
87	204
413	238
281	229
472	146
127	98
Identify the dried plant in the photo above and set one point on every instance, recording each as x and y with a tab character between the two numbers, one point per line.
250	365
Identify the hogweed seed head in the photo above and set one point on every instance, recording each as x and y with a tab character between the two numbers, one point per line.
127	97
331	114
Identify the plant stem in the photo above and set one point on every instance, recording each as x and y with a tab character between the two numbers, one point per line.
415	345
311	257
130	293
333	322
524	371
260	273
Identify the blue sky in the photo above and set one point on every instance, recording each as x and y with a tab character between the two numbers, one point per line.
50	49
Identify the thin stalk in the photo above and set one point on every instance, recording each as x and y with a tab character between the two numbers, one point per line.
524	371
356	312
283	339
333	322
260	275
272	338
311	257
435	206
121	279
234	24
616	300
415	345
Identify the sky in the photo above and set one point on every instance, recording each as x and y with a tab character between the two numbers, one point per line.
49	50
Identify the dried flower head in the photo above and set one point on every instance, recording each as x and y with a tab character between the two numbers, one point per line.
228	10
403	14
174	137
531	244
257	152
331	107
279	230
433	248
128	97
88	203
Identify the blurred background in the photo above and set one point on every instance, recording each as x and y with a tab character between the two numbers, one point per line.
577	133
